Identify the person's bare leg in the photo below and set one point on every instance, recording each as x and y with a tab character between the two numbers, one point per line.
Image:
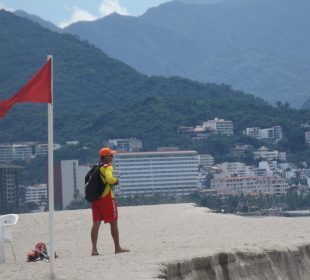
94	237
115	236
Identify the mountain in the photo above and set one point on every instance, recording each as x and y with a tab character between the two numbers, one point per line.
86	81
35	18
257	46
97	98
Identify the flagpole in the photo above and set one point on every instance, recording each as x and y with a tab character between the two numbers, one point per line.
51	179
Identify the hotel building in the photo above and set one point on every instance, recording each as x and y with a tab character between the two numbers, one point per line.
161	172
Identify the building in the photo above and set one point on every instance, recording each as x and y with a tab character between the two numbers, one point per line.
167	149
305	125
268	184
10	176
125	145
296	173
6	152
272	135
68	182
269	166
240	150
74	142
42	149
197	133
185	130
229	168
202	132
160	172
307	137
252	132
36	194
264	153
206	160
221	126
22	151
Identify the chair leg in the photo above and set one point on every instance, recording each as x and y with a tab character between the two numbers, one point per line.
13	251
1	252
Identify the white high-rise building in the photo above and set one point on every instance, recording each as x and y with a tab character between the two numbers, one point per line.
162	172
69	182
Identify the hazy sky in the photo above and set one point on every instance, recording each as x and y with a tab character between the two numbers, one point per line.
64	12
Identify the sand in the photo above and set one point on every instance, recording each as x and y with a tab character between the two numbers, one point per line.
163	239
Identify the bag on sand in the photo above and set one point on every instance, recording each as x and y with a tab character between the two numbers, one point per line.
94	185
39	253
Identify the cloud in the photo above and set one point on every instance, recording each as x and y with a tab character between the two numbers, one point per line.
111	6
105	8
3	6
78	15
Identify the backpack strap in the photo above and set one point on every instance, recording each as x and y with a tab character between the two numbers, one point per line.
100	165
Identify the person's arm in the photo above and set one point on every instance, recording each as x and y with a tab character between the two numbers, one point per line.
111	180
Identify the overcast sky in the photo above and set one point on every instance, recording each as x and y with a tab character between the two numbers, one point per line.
65	12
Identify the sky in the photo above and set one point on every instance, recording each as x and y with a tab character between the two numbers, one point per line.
65	12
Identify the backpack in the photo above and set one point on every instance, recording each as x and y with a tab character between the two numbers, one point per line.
94	185
39	253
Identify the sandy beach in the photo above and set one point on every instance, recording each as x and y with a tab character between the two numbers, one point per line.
156	235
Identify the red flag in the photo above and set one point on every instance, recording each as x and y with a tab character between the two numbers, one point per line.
38	89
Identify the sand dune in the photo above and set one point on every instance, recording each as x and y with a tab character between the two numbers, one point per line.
269	265
177	241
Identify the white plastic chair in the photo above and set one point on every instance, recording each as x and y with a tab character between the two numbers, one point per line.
6	224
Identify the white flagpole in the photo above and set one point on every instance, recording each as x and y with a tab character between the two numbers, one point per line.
51	179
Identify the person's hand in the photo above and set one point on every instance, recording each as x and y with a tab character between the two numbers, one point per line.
116	183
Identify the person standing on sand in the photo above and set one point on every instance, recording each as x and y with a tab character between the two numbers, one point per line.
105	208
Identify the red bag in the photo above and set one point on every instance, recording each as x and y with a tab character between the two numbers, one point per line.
39	253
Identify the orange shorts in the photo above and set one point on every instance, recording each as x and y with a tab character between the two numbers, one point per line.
105	209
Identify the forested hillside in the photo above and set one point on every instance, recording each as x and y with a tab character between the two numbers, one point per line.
97	97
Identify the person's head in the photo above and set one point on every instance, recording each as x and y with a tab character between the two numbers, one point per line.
106	154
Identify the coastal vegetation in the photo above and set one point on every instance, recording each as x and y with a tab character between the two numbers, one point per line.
258	203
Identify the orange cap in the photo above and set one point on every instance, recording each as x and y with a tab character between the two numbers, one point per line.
106	151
